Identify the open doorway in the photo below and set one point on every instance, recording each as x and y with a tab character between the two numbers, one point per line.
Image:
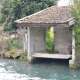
50	39
59	40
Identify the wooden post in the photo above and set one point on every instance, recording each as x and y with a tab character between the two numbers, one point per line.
71	62
73	45
25	42
28	42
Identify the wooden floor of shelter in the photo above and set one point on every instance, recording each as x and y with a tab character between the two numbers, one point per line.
53	56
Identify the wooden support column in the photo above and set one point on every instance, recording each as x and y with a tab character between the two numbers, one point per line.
71	62
73	45
28	55
25	42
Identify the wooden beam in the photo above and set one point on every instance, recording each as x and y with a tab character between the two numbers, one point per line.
53	56
42	24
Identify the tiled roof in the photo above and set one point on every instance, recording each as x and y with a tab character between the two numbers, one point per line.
54	14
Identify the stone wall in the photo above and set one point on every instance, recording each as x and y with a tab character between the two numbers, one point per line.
37	40
62	40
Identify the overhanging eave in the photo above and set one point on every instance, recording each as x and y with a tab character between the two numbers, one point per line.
71	22
42	24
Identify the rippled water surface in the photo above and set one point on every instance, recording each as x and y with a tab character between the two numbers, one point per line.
21	70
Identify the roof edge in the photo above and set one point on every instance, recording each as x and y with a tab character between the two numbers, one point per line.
69	19
32	14
18	21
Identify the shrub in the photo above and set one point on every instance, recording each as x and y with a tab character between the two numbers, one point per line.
49	40
14	44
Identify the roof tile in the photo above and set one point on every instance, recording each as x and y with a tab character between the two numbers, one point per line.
54	14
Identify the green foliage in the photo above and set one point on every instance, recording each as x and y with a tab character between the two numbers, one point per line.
24	56
49	41
10	46
8	26
14	44
75	10
16	9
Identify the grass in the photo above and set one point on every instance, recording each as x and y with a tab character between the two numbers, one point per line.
24	56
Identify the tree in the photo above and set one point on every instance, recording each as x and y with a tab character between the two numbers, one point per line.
16	9
75	11
7	13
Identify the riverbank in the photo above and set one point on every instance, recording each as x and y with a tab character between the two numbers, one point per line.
14	54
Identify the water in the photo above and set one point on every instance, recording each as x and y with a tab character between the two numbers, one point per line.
21	70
